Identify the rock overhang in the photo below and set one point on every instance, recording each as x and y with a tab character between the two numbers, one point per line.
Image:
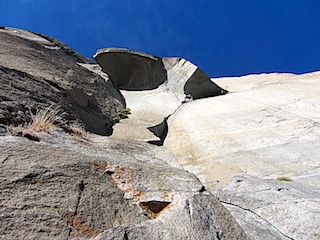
136	71
154	87
131	70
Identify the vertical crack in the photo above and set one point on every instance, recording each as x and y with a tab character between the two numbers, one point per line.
80	188
126	237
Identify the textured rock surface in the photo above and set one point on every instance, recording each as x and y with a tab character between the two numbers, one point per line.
131	70
37	72
267	127
278	209
211	156
81	186
66	187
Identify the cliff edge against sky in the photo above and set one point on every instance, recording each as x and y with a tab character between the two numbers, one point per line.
147	147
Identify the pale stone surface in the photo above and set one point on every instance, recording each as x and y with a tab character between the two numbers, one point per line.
166	84
266	127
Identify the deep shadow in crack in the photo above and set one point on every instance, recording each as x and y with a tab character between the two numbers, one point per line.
200	86
161	131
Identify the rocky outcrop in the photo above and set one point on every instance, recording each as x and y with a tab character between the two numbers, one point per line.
155	88
241	144
242	165
132	70
79	185
254	148
37	71
188	82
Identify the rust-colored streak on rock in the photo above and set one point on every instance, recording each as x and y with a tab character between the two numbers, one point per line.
78	227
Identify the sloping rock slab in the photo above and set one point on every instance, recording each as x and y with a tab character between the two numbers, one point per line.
279	209
69	188
267	127
36	72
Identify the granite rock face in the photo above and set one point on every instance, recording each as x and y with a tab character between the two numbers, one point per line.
255	148
69	188
80	185
155	88
132	70
242	165
241	144
38	71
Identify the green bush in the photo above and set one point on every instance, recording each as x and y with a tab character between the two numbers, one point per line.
286	179
122	115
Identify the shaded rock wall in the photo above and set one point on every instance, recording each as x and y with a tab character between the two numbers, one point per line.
131	70
38	73
47	191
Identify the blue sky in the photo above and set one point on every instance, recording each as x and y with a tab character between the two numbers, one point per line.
224	38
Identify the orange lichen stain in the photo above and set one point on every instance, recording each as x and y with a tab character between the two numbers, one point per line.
100	166
120	170
121	176
169	206
137	193
78	227
68	214
127	190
